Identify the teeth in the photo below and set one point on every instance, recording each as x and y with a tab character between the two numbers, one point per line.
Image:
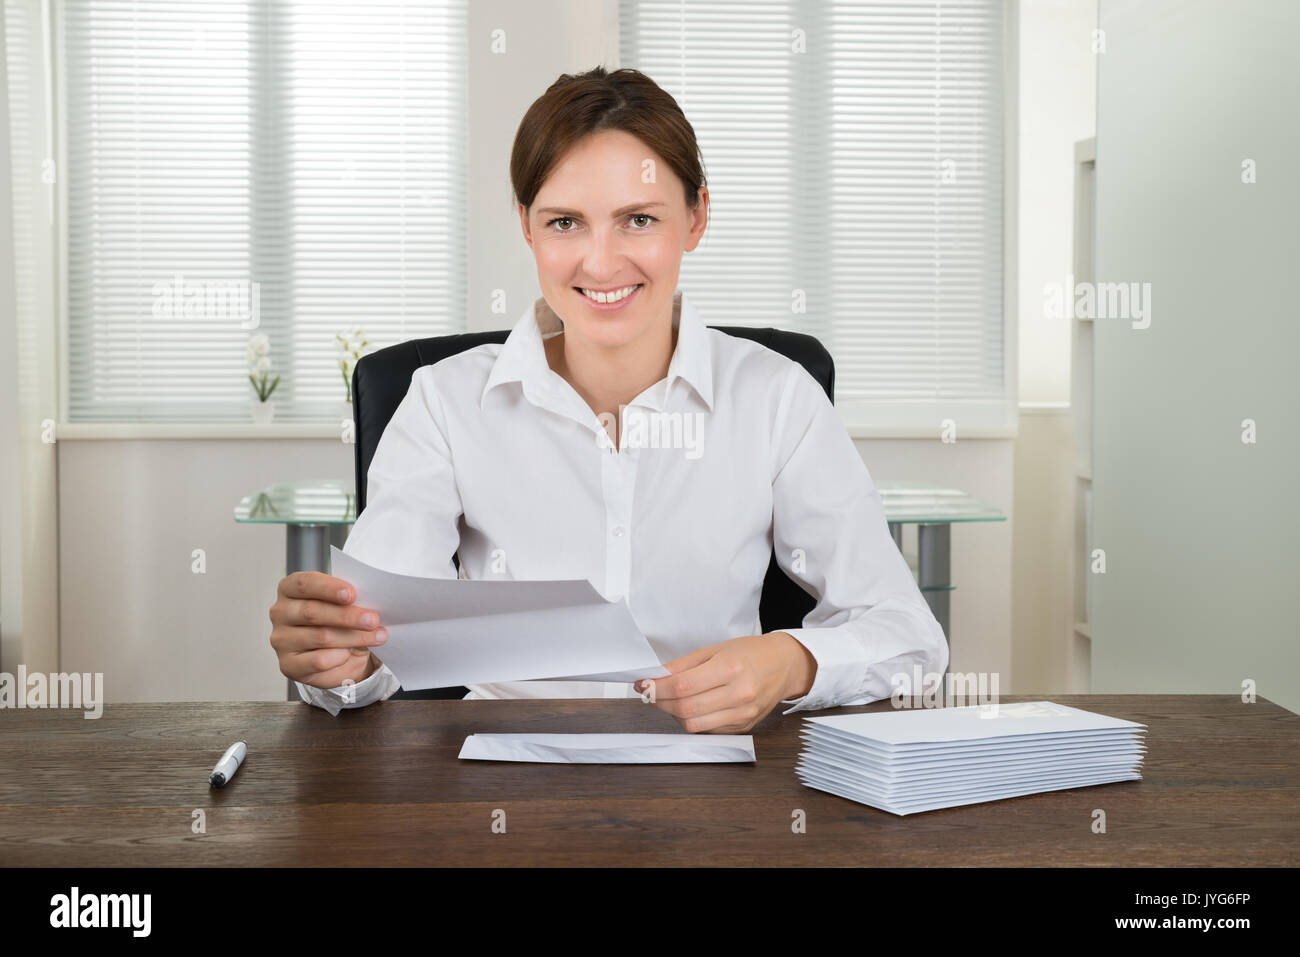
608	297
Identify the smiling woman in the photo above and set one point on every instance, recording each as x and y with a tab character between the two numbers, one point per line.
608	219
527	459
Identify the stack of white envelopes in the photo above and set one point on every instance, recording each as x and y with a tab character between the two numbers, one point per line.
922	760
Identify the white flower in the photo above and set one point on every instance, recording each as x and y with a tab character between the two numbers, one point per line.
263	364
350	343
259	345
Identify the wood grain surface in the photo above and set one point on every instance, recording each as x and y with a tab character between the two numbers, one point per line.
382	785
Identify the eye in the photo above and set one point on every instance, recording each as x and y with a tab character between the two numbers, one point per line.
550	224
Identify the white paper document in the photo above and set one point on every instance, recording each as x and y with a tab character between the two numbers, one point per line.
610	748
1028	720
444	632
909	761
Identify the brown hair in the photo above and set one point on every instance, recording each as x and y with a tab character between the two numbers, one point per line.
577	105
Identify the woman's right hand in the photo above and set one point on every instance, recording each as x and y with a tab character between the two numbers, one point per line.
321	638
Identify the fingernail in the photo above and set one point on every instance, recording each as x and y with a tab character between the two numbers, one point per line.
344	594
369	619
381	636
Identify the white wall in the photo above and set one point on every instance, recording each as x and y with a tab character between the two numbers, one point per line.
1058	89
1199	529
132	512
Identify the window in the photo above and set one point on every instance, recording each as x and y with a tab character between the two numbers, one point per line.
292	167
854	158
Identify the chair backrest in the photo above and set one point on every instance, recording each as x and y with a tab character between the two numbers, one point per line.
380	381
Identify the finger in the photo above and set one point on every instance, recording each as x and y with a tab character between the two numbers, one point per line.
687	661
317	662
313	612
297	639
728	721
676	666
703	677
317	585
700	705
335	676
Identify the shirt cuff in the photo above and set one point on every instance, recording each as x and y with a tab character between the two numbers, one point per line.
380	685
841	663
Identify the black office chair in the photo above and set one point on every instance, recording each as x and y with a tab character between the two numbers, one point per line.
380	381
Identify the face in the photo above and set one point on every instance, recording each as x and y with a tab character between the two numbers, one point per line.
596	225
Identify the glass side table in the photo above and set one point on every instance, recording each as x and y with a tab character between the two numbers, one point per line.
934	509
315	514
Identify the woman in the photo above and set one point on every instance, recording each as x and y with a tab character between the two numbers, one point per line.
532	459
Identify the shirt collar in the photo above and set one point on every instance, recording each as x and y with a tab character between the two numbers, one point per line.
523	358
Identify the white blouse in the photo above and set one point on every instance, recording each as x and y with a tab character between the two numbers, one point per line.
493	455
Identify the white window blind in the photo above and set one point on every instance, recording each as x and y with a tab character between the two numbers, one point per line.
859	181
303	159
24	98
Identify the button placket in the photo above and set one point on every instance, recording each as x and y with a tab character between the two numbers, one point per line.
618	470
618	473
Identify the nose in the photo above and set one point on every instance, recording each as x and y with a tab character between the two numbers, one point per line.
602	255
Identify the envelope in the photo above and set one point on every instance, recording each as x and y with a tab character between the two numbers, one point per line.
910	761
610	748
444	632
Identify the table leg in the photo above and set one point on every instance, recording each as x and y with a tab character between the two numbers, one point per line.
934	574
896	532
307	549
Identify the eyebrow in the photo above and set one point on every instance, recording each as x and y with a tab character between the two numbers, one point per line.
623	211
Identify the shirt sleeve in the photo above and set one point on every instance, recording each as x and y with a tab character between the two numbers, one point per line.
870	622
410	523
380	685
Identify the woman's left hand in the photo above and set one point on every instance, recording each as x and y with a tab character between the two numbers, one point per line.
729	687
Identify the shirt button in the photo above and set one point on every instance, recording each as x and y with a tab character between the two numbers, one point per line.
618	531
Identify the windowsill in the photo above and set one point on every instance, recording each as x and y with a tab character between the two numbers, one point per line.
129	431
118	431
930	435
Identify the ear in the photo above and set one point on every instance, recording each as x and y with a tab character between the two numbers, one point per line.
523	223
699	220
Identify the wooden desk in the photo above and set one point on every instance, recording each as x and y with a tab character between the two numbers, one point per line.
382	786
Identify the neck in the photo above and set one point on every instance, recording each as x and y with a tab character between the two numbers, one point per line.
608	379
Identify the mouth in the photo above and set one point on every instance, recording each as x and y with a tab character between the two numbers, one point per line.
616	304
